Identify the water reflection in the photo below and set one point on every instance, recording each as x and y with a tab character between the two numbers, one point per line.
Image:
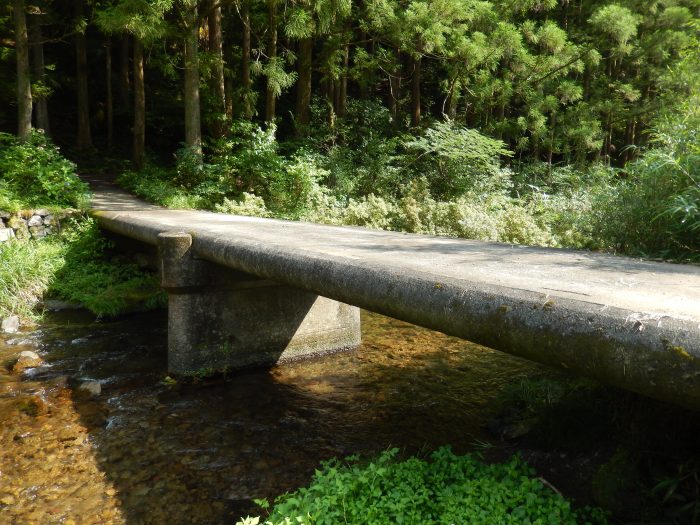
145	451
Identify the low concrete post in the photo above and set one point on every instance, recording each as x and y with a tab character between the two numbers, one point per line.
221	319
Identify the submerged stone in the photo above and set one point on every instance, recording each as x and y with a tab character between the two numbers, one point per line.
27	359
92	388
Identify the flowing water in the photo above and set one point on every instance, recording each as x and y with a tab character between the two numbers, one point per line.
150	450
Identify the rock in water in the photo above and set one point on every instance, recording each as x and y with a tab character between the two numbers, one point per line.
10	324
27	359
91	387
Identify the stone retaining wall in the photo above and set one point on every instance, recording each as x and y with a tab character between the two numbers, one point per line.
31	224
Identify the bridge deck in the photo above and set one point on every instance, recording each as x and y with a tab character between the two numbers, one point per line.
625	321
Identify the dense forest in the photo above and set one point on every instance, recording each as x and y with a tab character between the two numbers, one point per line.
555	122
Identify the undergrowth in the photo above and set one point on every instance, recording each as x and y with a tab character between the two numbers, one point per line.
74	266
27	270
648	466
427	185
445	488
34	174
91	278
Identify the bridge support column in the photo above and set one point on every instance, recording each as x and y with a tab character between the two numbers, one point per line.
222	319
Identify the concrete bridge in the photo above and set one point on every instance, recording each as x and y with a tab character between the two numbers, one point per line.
246	291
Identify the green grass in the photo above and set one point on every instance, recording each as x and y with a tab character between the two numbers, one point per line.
27	270
76	267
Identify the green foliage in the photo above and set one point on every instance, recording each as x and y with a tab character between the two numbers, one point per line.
245	170
457	160
145	19
106	286
444	489
76	267
249	205
655	210
34	174
649	470
156	185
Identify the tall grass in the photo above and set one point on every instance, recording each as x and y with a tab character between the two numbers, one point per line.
76	267
27	270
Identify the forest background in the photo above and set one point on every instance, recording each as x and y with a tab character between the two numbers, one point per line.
553	122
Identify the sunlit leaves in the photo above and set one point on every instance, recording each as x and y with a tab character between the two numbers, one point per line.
616	22
144	19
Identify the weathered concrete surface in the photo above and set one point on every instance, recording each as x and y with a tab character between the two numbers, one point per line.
627	322
222	319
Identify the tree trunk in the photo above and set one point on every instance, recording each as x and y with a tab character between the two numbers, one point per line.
24	88
245	65
395	89
415	91
452	100
216	47
83	137
193	127
303	109
271	55
330	99
41	108
336	96
124	71
110	101
229	93
138	152
343	88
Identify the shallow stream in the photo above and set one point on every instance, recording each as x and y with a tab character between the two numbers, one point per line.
150	450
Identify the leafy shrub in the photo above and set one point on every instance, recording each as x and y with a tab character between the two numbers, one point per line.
446	489
247	160
518	226
457	160
654	210
34	173
370	212
250	205
358	150
156	185
290	194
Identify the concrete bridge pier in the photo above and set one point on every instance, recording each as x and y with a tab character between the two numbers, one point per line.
220	319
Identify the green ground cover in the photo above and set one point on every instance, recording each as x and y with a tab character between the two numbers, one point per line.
443	488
